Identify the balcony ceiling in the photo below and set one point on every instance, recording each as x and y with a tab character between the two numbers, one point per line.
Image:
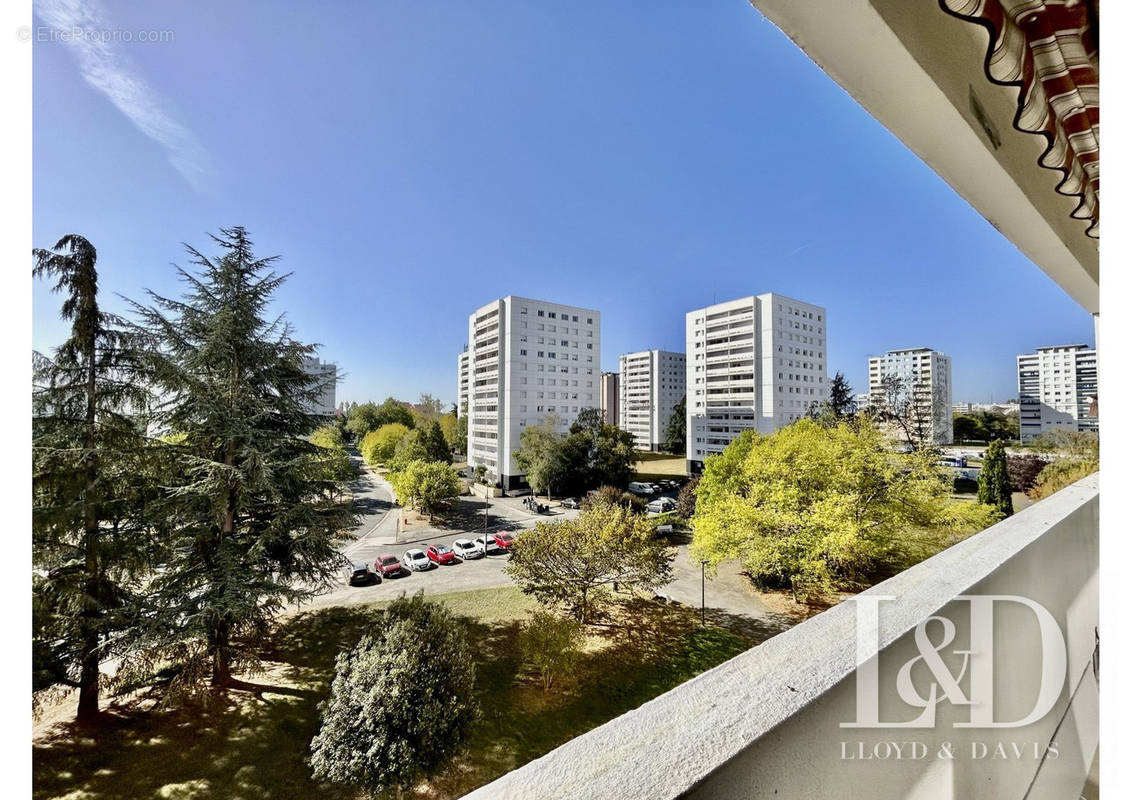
999	97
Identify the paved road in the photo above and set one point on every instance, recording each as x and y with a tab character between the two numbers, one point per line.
727	593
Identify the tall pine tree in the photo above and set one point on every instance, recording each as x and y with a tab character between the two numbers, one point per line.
253	525
88	486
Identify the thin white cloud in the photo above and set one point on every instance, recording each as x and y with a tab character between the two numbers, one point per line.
103	66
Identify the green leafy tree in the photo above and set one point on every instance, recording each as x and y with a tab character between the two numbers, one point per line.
551	646
676	437
409	448
540	456
808	508
574	563
449	425
370	416
328	436
460	443
379	446
250	528
994	487
89	487
367	739
612	459
427	485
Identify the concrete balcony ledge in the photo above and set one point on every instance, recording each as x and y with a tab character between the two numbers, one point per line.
768	723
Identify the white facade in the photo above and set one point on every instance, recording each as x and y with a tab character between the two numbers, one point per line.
652	382
1057	388
327	373
527	360
754	363
463	382
926	377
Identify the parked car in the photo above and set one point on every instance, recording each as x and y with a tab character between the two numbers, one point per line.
388	565
416	560
467	549
362	575
504	540
571	502
488	548
660	505
440	554
641	489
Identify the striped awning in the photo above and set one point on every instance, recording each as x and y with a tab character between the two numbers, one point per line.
1049	49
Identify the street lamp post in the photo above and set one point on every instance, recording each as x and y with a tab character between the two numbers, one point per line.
703	592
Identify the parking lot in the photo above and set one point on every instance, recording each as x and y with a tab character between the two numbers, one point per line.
728	591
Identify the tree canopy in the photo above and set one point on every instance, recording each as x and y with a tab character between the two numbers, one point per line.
810	507
574	563
591	454
380	445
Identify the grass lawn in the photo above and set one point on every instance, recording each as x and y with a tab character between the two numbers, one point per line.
253	743
656	466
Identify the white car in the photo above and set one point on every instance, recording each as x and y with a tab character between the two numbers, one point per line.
467	549
661	504
416	561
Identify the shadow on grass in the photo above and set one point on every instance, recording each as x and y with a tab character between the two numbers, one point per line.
253	741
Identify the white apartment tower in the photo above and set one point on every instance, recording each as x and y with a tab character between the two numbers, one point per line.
462	384
327	374
652	382
610	398
527	360
924	389
1057	387
754	363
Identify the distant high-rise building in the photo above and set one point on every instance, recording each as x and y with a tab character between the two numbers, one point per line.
462	390
610	398
327	373
752	363
915	383
652	382
528	360
1057	388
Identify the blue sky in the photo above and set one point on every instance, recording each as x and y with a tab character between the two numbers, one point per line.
411	161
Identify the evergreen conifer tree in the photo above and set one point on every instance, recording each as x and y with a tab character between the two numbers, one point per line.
88	485
994	487
253	526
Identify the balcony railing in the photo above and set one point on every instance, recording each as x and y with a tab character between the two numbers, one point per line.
768	723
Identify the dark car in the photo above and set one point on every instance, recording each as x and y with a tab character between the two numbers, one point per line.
388	565
362	575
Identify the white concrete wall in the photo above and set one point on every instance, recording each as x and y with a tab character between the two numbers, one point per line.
768	722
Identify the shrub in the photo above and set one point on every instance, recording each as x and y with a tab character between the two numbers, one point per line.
392	715
1023	471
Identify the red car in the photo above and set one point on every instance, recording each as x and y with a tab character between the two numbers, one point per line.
440	554
388	565
504	540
